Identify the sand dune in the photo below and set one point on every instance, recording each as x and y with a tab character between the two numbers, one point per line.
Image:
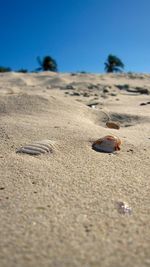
59	208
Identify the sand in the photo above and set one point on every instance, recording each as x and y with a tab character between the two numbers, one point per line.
60	209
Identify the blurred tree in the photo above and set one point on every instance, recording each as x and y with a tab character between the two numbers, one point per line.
47	63
22	70
113	64
4	69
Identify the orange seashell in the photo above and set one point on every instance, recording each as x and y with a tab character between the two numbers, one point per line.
113	125
108	144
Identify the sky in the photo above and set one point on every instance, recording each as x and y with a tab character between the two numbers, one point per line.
78	34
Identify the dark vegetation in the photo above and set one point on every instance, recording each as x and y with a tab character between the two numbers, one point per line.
4	69
23	70
47	64
113	64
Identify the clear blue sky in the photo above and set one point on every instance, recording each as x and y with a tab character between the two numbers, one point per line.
78	34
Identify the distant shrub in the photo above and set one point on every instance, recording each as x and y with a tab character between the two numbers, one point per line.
5	69
47	64
82	72
22	70
113	64
124	86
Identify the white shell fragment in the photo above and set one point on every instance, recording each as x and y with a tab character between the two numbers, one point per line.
123	208
37	147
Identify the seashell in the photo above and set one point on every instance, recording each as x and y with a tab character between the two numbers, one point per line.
123	208
37	147
108	144
113	125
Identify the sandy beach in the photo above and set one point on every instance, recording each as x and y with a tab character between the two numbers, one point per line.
59	209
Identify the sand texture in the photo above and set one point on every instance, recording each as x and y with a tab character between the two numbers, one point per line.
59	208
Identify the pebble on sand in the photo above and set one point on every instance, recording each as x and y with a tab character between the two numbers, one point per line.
123	208
113	125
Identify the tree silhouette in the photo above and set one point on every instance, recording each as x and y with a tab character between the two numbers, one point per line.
5	69
113	64
47	63
22	70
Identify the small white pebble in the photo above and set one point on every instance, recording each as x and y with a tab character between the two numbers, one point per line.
123	208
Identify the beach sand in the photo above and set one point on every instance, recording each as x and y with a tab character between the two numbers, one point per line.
60	209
